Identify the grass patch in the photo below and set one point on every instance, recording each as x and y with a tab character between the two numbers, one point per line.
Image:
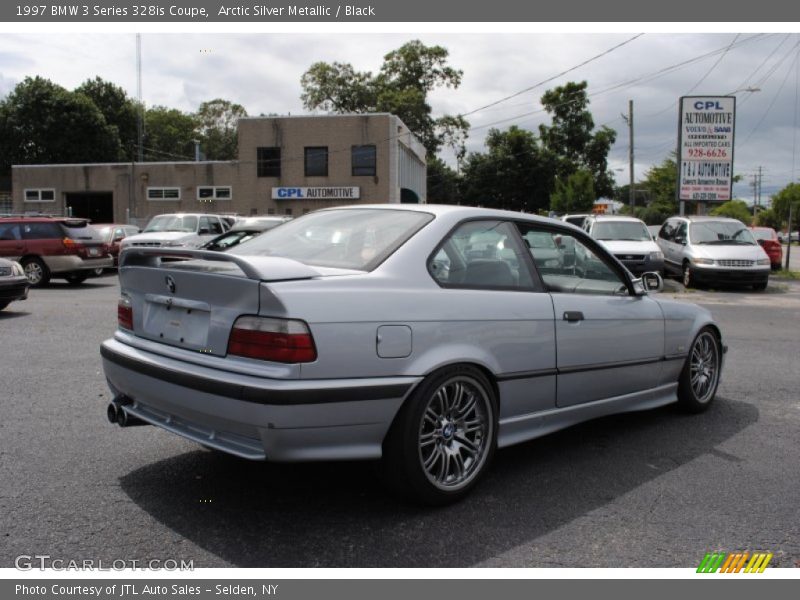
787	275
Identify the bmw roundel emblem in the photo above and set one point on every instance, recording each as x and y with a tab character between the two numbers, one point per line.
170	284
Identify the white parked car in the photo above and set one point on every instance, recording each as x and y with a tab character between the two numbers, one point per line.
178	230
629	240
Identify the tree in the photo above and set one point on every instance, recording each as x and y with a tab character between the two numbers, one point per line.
571	138
41	123
169	134
781	201
515	173
119	111
734	209
769	218
401	87
217	122
443	182
576	194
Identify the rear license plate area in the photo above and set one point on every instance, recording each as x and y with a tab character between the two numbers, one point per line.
177	325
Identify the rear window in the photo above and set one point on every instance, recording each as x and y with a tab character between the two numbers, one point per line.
183	223
81	230
763	234
357	239
631	231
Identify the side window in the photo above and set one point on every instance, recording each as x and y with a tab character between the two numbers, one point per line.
567	265
667	231
210	225
41	231
482	255
680	232
9	231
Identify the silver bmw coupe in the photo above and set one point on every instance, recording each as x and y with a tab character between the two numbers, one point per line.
424	336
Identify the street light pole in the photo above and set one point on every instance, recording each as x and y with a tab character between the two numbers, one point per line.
630	154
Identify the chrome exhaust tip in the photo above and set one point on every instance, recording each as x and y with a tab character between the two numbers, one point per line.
112	412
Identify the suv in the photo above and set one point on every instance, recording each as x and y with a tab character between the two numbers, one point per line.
629	240
49	247
178	230
713	250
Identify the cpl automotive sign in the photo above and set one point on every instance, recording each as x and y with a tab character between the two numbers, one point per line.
705	147
316	193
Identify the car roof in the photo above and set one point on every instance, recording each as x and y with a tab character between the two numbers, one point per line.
701	218
625	218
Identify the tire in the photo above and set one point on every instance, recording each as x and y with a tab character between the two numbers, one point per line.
760	287
98	272
699	378
4	304
688	279
36	271
76	278
444	437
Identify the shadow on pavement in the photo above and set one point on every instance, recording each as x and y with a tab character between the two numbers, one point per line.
338	514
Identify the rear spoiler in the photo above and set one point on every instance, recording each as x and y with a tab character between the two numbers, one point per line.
262	268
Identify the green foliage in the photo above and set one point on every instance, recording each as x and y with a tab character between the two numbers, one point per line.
781	201
514	173
119	111
169	134
42	123
401	87
217	122
734	209
769	218
575	194
571	139
443	182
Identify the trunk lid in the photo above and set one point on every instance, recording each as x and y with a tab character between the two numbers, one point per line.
191	298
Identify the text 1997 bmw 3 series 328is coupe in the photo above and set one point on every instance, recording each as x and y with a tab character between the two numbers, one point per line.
424	336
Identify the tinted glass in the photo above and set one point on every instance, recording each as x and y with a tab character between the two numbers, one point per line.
316	161
350	239
269	162
364	160
9	231
41	231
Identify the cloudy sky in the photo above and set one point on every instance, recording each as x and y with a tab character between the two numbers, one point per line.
262	72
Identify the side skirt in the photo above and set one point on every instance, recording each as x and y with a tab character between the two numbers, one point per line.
521	428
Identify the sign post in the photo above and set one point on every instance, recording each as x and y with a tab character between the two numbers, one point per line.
706	128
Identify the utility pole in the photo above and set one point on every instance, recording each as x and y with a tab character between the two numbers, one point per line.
789	235
758	200
631	190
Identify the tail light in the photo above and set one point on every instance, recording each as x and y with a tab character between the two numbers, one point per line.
277	340
74	247
125	313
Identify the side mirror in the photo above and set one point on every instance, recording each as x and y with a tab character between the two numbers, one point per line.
203	231
680	240
652	281
118	238
558	241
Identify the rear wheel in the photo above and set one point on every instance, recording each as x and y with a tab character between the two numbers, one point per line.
699	379
76	278
444	437
36	271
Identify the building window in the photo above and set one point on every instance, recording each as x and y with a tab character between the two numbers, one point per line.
207	193
288	212
316	161
269	161
364	160
40	195
270	211
6	205
306	211
163	193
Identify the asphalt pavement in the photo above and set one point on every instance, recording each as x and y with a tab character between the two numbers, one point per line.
650	489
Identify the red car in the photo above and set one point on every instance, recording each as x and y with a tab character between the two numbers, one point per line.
768	240
113	234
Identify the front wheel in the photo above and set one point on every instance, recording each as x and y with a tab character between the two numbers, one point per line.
760	286
444	437
36	271
699	378
688	276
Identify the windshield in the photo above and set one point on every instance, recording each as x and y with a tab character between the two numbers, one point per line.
634	231
184	223
349	238
720	232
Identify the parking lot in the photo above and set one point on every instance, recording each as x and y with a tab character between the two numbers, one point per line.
649	489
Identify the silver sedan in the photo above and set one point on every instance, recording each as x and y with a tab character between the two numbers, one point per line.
424	336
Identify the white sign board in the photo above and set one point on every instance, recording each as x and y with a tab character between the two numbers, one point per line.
316	193
705	147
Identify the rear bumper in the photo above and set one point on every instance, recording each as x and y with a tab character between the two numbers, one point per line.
254	417
69	263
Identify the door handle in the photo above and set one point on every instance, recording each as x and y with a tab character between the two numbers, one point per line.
573	316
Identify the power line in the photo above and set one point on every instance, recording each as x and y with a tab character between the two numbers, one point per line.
774	98
549	79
